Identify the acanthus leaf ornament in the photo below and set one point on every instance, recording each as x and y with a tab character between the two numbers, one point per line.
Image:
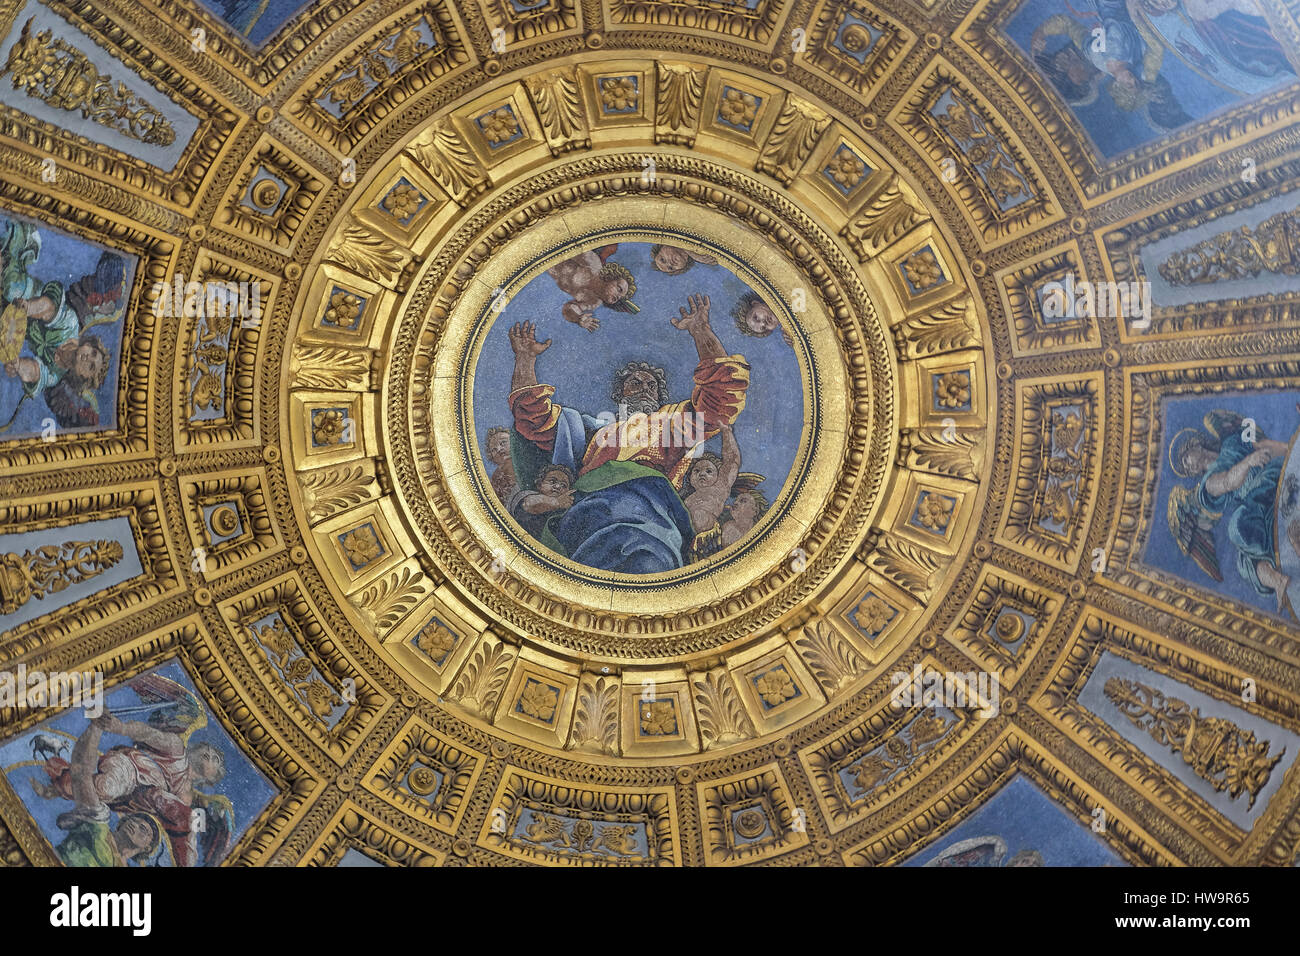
557	98
367	254
908	565
886	217
450	161
678	94
329	491
595	726
945	328
798	128
722	718
832	660
957	454
332	368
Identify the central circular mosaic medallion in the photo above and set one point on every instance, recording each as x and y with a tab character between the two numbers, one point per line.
638	406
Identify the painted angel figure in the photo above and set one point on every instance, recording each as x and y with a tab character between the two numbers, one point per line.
159	774
984	851
593	280
66	364
674	260
1234	478
91	840
1107	49
705	489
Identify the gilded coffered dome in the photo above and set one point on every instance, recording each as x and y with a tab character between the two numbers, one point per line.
649	433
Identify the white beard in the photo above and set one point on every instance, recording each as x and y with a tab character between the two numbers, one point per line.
641	406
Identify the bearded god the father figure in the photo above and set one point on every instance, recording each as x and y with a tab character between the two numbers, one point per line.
627	514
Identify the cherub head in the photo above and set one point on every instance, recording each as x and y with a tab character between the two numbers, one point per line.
555	481
618	288
91	361
753	317
1126	91
748	506
207	762
704	473
1070	73
85	364
674	260
86	359
498	444
1026	858
670	260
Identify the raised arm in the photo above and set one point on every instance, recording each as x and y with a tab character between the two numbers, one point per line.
696	322
1275	448
164	742
1222	482
1057	25
706	505
523	341
85	761
730	458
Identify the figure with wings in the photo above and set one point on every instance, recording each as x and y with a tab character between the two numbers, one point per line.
1234	478
984	851
66	364
1237	31
90	840
707	484
674	260
160	773
593	280
753	317
737	516
1108	50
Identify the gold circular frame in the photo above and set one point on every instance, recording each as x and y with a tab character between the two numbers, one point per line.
872	382
796	507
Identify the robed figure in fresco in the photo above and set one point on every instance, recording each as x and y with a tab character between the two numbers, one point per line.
91	840
1116	46
624	512
1238	480
67	364
157	776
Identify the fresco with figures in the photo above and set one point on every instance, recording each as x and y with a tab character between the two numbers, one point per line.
1018	826
1228	500
1132	71
62	302
144	777
256	20
638	407
557	433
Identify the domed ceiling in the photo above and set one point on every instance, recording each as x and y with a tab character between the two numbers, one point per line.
649	432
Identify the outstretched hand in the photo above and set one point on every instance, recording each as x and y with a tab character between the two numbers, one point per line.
109	724
523	341
697	319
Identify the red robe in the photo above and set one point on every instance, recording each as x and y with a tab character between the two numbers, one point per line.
141	779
